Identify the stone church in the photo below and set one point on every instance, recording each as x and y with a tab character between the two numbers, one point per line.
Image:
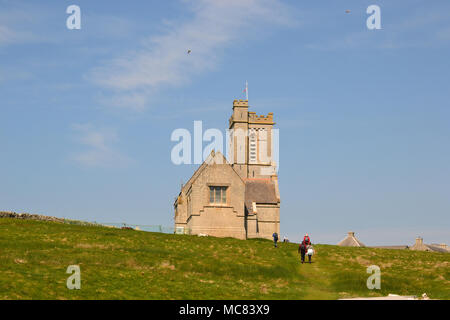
238	197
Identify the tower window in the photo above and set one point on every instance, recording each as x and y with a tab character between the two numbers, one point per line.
253	146
217	194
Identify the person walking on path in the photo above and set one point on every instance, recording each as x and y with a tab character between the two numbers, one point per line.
275	239
302	251
309	252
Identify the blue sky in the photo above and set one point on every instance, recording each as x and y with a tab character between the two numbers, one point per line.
86	115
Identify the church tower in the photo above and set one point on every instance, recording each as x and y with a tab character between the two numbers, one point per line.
250	142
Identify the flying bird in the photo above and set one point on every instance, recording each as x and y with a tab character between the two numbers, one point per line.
347	11
189	51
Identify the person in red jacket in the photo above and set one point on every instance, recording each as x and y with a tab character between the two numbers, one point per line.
307	240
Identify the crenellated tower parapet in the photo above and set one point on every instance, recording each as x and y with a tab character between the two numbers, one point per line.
253	118
240	103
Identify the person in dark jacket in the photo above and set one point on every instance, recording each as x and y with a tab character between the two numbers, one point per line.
302	250
275	239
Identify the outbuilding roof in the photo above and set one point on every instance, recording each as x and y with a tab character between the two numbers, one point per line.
351	241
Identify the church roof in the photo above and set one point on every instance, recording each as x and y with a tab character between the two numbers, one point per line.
351	241
260	191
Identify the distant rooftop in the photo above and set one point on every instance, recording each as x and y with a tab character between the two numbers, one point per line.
351	241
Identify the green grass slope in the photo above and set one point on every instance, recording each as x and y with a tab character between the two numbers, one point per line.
127	264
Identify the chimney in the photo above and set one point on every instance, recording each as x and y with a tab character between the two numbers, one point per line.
351	234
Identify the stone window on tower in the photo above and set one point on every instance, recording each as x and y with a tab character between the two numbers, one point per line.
263	147
252	146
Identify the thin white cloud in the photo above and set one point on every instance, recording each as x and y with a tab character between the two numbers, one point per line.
11	73
10	36
163	60
135	101
18	22
6	35
414	30
32	23
100	151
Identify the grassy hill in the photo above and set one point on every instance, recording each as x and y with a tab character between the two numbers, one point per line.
127	264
